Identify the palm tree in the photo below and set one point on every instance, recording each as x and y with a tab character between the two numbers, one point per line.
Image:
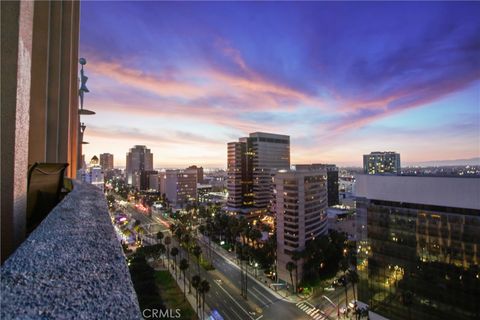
186	243
344	267
197	251
167	241
290	266
407	299
160	237
160	250
204	288
352	277
196	283
183	267
297	255
174	253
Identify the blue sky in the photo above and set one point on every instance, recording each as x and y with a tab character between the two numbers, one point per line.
342	79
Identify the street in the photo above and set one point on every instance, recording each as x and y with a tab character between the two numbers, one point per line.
225	283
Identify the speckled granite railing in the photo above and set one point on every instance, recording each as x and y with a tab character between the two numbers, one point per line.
71	267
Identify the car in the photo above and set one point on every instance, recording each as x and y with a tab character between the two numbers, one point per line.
329	288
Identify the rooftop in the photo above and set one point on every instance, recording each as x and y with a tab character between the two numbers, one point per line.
452	192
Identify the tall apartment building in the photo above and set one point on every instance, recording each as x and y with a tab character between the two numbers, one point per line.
381	162
139	159
106	161
179	186
301	213
251	164
332	180
419	246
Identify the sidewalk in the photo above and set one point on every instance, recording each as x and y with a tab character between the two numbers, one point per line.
282	294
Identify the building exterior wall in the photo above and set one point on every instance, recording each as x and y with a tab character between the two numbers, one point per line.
301	204
235	168
438	191
153	181
170	183
139	159
39	77
106	161
251	164
381	162
181	186
203	191
332	180
419	235
199	172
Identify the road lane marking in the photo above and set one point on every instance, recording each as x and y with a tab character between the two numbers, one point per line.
236	313
236	302
253	294
270	301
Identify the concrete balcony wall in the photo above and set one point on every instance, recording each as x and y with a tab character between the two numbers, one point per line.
71	267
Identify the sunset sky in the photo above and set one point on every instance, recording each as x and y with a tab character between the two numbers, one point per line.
342	79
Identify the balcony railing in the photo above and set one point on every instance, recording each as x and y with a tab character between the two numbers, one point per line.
72	266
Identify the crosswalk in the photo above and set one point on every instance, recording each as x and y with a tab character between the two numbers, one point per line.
313	312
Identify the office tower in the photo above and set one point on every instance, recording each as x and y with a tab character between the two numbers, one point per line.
381	162
179	186
300	208
199	173
332	180
251	164
419	249
138	159
106	161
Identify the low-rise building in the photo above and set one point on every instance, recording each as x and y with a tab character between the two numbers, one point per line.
419	246
179	186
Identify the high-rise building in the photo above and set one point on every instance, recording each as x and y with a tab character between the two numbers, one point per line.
419	246
300	209
138	159
381	162
179	186
252	162
106	161
332	180
199	173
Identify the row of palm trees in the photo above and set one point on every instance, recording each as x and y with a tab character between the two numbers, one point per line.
201	286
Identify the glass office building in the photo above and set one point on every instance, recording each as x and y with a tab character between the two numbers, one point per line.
419	248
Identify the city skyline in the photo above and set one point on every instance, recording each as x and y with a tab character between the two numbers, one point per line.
341	79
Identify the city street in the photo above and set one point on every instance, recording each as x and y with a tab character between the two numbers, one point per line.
225	297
